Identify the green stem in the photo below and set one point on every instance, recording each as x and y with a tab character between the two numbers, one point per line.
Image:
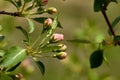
23	7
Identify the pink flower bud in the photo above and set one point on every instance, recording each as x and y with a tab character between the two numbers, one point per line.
48	22
57	37
61	55
52	10
44	2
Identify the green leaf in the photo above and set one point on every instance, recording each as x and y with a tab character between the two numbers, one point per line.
4	76
2	52
42	20
12	57
79	41
25	33
116	40
14	67
41	67
99	3
114	23
2	37
31	25
96	58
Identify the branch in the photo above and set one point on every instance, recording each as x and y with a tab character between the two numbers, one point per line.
10	13
107	21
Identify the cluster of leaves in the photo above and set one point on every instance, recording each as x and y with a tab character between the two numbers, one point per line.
97	56
10	59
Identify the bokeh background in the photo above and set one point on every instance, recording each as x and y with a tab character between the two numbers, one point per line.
79	21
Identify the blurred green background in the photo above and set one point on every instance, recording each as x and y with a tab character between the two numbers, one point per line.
79	21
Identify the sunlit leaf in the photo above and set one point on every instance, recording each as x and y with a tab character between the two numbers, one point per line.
41	67
96	58
12	57
31	25
2	52
79	41
25	33
42	20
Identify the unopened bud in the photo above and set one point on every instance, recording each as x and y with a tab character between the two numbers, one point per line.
48	22
63	47
57	37
19	76
52	10
61	55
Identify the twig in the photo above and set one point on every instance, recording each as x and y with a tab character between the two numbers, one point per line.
107	21
10	13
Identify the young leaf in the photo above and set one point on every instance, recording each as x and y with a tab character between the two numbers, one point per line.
25	33
31	25
42	20
12	57
41	67
79	41
96	58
